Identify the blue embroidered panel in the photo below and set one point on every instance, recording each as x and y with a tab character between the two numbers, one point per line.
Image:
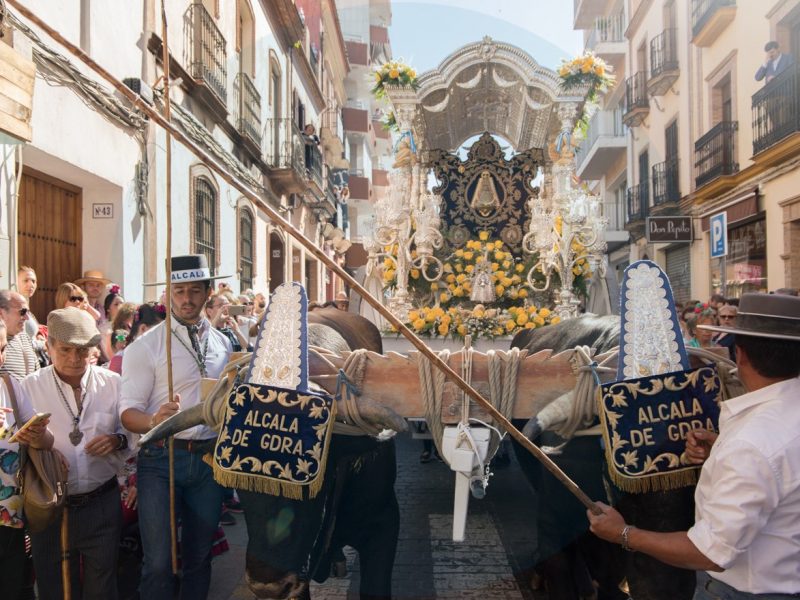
645	422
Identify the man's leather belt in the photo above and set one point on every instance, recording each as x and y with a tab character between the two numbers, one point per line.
195	446
79	500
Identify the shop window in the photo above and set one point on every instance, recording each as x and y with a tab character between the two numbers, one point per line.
745	267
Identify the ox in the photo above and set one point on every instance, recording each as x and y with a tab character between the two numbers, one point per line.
290	541
572	557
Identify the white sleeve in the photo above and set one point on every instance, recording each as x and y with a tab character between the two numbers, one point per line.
744	494
26	409
138	377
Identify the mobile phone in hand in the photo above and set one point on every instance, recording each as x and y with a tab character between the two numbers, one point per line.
236	310
37	418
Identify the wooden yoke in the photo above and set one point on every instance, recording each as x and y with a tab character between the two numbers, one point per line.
393	380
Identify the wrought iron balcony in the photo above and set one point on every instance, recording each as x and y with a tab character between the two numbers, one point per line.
294	163
208	56
247	110
663	62
607	37
637	104
666	184
709	18
638	200
776	109
715	153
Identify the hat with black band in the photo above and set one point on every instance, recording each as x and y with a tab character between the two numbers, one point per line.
765	315
189	268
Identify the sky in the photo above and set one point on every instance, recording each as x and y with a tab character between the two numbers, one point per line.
425	33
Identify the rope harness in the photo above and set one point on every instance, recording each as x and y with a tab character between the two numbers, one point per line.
503	368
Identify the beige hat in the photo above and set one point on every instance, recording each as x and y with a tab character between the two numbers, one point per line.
93	275
73	326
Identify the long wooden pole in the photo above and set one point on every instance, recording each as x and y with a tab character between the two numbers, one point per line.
173	525
317	253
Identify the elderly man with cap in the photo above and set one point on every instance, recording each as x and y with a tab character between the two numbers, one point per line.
198	350
745	542
94	282
83	402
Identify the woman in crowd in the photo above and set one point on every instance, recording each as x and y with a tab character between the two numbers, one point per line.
69	294
702	338
145	317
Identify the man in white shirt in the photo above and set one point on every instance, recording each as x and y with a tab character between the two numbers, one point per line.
746	536
198	350
83	402
13	561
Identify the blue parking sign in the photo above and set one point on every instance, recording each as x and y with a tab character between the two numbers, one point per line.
719	235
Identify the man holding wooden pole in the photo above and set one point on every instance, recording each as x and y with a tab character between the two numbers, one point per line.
198	351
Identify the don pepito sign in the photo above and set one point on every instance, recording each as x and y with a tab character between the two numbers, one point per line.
669	229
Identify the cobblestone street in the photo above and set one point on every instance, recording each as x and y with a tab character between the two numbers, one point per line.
493	562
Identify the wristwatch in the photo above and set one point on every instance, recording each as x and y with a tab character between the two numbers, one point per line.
123	441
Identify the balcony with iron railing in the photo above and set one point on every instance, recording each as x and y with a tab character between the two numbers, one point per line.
638	198
604	144
663	62
208	55
293	163
666	185
247	110
607	37
637	104
709	19
715	153
776	112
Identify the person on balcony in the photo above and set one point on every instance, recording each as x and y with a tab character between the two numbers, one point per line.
311	140
775	64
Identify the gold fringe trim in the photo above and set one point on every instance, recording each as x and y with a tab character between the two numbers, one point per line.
275	487
657	482
660	482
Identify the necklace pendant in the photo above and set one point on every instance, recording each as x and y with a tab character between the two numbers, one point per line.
76	435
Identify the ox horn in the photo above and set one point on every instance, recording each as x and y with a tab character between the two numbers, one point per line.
175	424
214	391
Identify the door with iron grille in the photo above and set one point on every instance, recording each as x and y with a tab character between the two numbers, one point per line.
50	235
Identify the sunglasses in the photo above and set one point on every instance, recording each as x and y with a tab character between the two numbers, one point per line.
76	298
727	316
23	311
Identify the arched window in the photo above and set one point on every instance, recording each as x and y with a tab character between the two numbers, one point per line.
245	249
205	221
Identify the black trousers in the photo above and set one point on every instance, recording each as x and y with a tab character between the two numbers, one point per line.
13	563
94	532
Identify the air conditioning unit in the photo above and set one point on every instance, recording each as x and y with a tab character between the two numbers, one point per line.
140	87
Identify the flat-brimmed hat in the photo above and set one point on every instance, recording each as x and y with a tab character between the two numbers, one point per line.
93	275
72	326
765	315
189	268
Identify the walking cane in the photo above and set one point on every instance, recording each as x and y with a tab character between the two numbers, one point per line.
65	574
173	527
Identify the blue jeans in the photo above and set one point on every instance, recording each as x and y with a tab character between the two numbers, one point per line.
709	588
198	503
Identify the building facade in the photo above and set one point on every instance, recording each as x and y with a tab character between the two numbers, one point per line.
705	137
246	78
